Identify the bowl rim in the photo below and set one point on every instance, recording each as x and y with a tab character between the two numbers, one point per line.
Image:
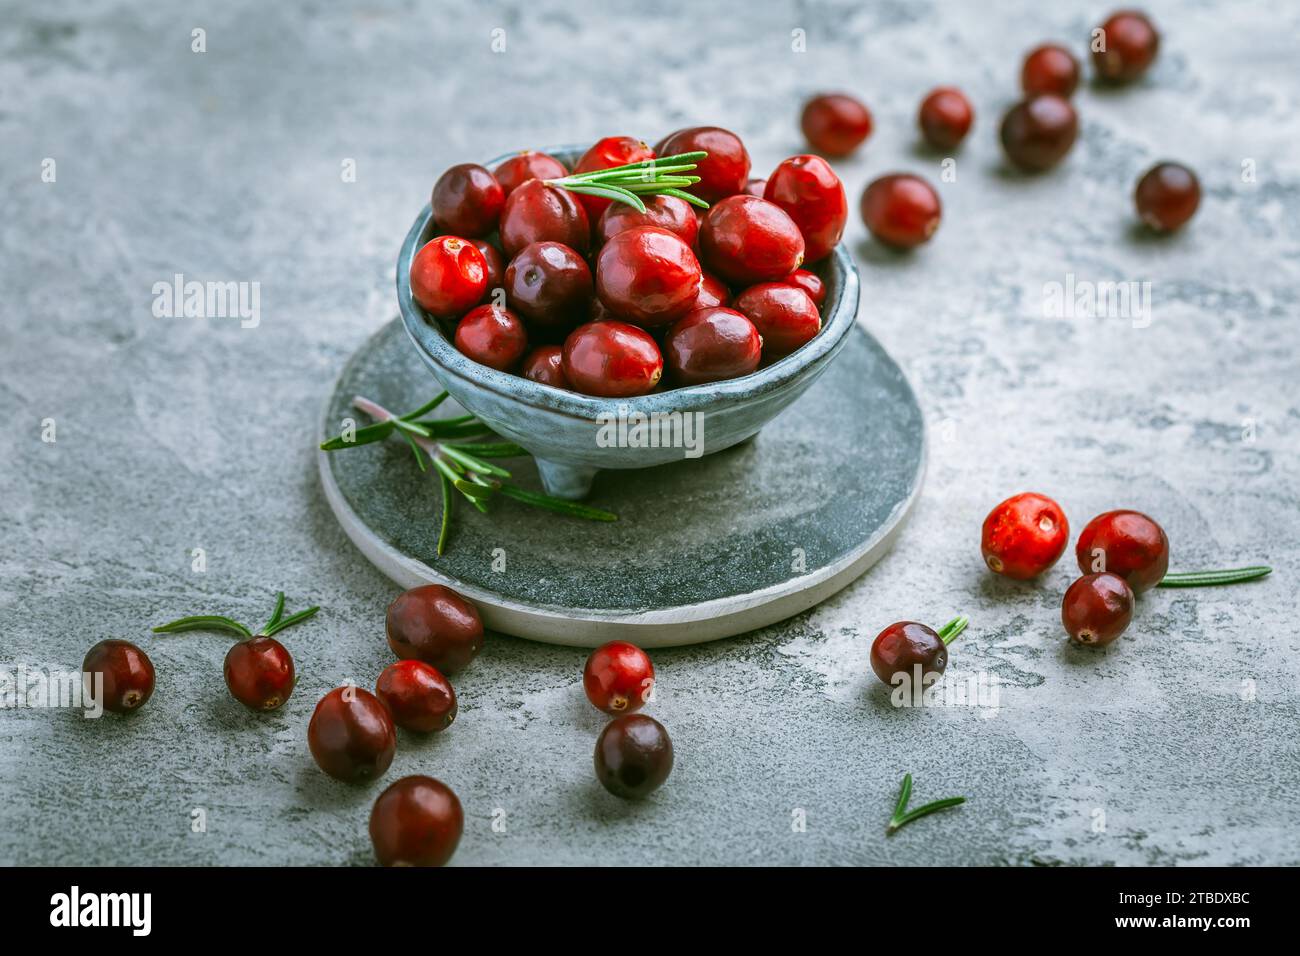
439	351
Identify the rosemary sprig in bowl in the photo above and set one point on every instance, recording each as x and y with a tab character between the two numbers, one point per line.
665	176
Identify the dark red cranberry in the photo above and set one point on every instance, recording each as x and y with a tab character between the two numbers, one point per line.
756	187
945	117
526	165
633	756
1050	69
901	210
724	172
666	212
545	364
496	266
1167	196
467	201
618	677
1097	609
812	195
1039	131
351	734
709	345
810	283
899	648
434	624
448	276
1127	543
550	285
1024	536
492	336
259	672
417	695
606	154
536	212
835	124
647	276
784	314
612	359
712	292
1125	47
127	675
417	821
744	240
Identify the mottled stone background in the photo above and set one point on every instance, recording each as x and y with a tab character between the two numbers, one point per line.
174	434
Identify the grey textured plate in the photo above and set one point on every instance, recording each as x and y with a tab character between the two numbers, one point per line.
704	548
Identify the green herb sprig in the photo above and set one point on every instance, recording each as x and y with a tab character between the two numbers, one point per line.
215	622
1202	579
902	817
665	176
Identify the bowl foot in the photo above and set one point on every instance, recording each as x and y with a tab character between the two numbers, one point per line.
571	482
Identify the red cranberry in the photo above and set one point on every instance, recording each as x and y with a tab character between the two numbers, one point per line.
1125	48
745	240
417	695
537	212
901	210
259	672
549	284
756	187
1127	543
724	172
784	315
1024	536
666	212
434	624
812	195
709	345
526	165
127	675
647	276
1039	131
1097	609
545	364
835	124
417	821
900	647
810	283
1167	196
945	117
633	756
467	200
496	266
492	336
448	276
618	677
351	734
612	359
606	154
712	292
1050	69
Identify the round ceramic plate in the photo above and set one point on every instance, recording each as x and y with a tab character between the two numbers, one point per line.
704	548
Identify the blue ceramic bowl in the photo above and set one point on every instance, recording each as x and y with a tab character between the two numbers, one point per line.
572	436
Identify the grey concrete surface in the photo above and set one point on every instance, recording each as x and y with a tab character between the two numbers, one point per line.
1177	745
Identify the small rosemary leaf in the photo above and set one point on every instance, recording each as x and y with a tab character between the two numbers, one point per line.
610	192
291	621
693	200
415	449
203	622
449	470
445	484
411	428
1198	579
500	449
557	504
427	406
472	463
277	613
362	436
473	489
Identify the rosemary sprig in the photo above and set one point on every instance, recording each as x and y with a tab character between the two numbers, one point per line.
902	817
948	633
666	175
1200	579
215	622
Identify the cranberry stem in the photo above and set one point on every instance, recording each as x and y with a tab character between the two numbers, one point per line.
1199	579
948	633
902	818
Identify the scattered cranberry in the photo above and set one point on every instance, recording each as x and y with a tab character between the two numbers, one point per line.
647	276
127	674
712	292
526	165
545	364
448	276
785	316
550	285
1050	69
351	734
417	695
496	267
417	821
724	172
899	648
1024	536
618	677
633	756
945	117
745	240
492	336
1127	543
810	283
1097	609
1167	196
812	195
901	210
467	201
835	124
537	212
612	359
1039	131
434	624
1126	47
756	187
709	345
606	154
259	673
666	212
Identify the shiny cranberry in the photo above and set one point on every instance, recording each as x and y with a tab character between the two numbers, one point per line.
496	266
448	276
756	187
434	624
1097	609
351	734
666	212
606	154
1125	47
812	195
785	316
417	695
810	283
612	359
126	672
1167	196
1127	543
709	345
492	336
745	240
618	678
1050	69
901	210
835	124
647	276
945	117
545	364
1024	536
259	672
724	172
526	165
537	212
712	292
899	648
550	285
1039	131
417	821
467	201
633	756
